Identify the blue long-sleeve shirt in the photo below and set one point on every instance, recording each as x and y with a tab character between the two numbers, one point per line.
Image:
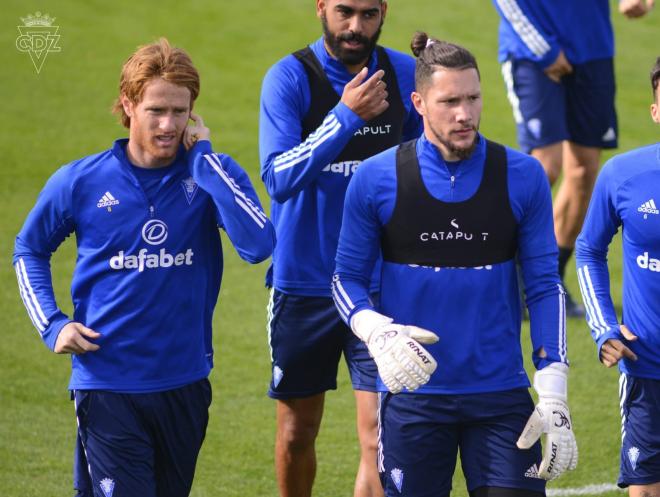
626	195
307	195
149	262
538	30
474	311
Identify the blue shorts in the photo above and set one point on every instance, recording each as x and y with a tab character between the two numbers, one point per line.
139	444
420	436
640	431
579	109
307	337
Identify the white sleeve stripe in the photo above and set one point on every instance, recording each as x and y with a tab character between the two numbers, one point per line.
562	323
308	153
344	294
239	197
29	298
595	315
27	304
524	28
327	123
33	297
341	307
591	314
214	159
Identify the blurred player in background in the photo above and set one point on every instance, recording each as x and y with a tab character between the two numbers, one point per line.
324	109
557	63
146	215
627	195
450	213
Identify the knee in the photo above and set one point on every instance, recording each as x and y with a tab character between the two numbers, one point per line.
297	435
583	176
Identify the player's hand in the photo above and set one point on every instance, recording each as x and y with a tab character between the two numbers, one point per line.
73	339
402	362
633	9
552	417
613	350
195	132
559	68
367	99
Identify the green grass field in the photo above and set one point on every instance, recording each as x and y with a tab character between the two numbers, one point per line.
63	113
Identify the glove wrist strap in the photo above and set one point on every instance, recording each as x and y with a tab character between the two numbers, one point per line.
365	322
552	381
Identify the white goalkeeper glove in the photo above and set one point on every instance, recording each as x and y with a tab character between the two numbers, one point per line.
551	416
402	362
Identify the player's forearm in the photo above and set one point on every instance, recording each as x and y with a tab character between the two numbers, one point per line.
36	291
351	294
594	281
244	220
286	173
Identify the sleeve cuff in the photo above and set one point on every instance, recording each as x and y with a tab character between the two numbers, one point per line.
53	331
348	119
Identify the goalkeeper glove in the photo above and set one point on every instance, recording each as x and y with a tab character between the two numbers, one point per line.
551	416
402	362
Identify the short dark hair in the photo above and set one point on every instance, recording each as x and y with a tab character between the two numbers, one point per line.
655	76
431	52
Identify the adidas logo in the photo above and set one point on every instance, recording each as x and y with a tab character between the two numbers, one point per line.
648	208
610	135
532	472
107	200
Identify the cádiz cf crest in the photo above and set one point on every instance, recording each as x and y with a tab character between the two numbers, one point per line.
38	37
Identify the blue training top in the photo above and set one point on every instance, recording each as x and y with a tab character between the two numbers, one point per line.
476	310
627	195
307	194
537	30
149	266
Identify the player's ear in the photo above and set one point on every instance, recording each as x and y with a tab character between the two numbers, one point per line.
418	102
320	8
383	9
655	113
127	105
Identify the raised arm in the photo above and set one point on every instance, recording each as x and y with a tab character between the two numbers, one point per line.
289	163
238	208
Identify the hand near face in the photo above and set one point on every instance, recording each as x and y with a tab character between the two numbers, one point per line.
195	132
367	99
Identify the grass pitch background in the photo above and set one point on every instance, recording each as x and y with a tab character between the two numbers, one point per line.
62	114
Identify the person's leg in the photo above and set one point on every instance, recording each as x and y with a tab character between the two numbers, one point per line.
492	463
419	443
117	448
652	490
550	157
572	199
306	347
177	421
367	481
298	422
639	399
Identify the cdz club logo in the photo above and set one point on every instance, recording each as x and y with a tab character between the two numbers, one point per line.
154	232
38	37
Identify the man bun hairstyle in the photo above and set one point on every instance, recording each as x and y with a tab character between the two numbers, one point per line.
156	60
655	76
433	54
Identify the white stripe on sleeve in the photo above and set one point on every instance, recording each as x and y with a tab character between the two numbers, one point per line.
29	298
241	199
304	151
524	28
595	317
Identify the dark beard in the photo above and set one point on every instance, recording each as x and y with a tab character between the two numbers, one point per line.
349	57
461	153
